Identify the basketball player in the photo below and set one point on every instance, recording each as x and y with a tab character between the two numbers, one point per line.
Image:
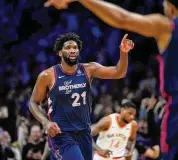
117	134
69	97
165	31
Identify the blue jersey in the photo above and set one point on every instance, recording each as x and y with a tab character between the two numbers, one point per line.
169	64
69	100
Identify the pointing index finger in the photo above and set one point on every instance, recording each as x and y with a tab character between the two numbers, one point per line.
124	38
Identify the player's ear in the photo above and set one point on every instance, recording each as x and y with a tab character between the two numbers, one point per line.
60	54
121	110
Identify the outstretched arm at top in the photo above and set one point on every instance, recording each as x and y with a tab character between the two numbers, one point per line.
153	25
147	25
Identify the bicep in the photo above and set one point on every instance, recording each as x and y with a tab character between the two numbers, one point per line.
152	25
40	89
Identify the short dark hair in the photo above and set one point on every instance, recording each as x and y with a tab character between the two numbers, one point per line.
67	37
128	104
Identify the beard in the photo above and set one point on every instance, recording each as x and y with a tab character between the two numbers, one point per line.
70	62
125	121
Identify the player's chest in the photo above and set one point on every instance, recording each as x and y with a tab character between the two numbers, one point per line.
118	133
67	85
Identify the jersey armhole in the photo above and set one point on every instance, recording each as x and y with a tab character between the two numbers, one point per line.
89	80
55	79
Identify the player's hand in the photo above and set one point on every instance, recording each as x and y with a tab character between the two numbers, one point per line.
59	4
105	152
52	129
126	44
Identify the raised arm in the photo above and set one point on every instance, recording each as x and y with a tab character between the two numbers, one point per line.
114	72
39	92
146	25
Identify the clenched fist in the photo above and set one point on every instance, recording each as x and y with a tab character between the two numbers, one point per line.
52	128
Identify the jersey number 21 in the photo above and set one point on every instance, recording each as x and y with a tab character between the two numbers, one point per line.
77	97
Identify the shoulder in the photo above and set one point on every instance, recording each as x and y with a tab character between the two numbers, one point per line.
161	19
104	122
106	119
161	23
133	132
46	75
134	125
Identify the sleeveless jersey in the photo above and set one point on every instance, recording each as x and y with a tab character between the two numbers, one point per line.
115	138
169	64
69	100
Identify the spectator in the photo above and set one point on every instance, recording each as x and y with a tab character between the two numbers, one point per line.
35	145
6	149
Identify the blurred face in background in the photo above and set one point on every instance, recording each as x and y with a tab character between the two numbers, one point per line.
128	114
5	138
107	111
70	53
143	127
2	140
35	133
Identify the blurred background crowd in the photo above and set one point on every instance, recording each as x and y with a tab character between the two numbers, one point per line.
27	34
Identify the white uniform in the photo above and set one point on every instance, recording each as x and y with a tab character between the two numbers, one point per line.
115	139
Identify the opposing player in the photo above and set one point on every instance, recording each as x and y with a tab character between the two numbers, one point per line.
69	97
117	134
165	31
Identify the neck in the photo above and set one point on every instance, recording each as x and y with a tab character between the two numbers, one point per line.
120	121
67	68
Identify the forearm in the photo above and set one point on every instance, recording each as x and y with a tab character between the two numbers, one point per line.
130	148
122	65
109	13
38	113
94	130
